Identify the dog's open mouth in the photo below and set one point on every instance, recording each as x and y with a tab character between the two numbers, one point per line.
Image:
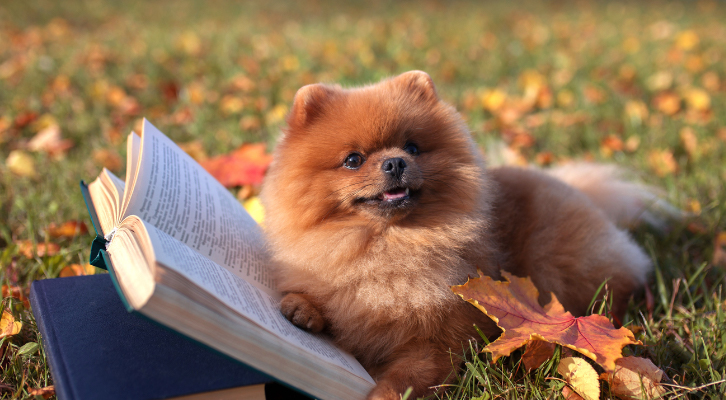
394	194
394	198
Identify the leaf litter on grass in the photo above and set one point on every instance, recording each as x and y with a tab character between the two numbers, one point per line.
637	84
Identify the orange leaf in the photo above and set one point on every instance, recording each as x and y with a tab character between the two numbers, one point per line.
45	392
667	102
662	162
537	353
108	159
513	306
26	248
635	378
8	325
77	270
15	292
67	229
245	166
195	149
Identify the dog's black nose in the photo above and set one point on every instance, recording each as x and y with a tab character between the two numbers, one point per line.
394	167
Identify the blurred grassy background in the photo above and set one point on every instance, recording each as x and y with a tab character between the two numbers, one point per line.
639	84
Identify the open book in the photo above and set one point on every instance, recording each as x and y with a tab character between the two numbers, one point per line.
184	252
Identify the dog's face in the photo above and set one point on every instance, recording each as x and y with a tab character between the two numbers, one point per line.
381	155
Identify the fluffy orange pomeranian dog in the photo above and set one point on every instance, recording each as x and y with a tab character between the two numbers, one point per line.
378	200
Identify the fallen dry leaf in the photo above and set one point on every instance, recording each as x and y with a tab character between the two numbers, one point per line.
46	392
49	140
667	102
514	307
687	40
537	353
610	144
493	100
77	270
245	166
17	293
581	377
719	249
8	325
636	111
635	378
697	99
255	209
67	229
26	248
21	163
689	141
108	159
662	162
195	149
570	394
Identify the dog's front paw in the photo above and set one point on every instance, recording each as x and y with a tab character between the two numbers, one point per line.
301	312
384	391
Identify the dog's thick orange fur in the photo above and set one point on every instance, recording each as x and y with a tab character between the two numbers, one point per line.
378	278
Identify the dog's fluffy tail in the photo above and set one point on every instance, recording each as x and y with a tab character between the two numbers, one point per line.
625	202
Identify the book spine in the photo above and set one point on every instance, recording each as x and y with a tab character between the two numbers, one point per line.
59	371
99	242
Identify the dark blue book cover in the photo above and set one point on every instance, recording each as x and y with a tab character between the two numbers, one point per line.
97	350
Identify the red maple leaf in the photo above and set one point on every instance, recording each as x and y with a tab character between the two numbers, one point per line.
245	166
513	306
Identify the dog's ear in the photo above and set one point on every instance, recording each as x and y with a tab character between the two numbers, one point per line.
418	83
309	103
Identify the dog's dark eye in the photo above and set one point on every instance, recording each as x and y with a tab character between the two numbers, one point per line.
411	149
353	161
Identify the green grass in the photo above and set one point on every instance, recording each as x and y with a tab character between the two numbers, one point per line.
224	73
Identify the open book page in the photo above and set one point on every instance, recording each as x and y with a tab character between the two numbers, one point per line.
174	193
107	191
133	151
244	298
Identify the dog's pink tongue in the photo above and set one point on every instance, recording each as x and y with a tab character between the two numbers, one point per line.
395	195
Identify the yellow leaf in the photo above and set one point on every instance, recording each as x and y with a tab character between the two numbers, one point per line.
697	99
661	80
492	100
687	40
581	376
635	378
694	206
255	209
21	163
276	115
8	325
189	42
636	111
